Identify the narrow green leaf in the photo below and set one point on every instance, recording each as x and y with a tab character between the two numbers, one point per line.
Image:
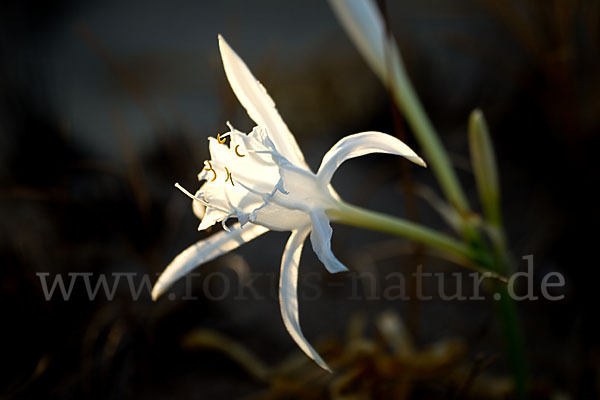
484	167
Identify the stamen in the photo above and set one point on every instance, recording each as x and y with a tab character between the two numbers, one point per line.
264	196
229	177
199	200
271	152
191	196
237	153
221	139
261	159
210	168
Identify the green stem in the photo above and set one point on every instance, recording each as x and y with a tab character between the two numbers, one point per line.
356	216
513	338
509	318
408	101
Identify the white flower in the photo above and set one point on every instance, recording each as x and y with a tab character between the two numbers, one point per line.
262	179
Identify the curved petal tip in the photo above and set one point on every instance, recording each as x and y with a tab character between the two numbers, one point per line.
158	289
204	251
361	144
288	294
418	160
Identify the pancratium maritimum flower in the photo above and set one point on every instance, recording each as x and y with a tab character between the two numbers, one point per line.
261	179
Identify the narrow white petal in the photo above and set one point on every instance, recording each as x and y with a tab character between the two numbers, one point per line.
320	238
288	293
204	251
360	144
259	105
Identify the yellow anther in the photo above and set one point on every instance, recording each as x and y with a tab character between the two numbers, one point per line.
229	178
209	167
237	153
219	139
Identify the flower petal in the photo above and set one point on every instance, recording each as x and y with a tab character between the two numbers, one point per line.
278	218
320	238
259	105
360	144
302	190
211	217
198	208
204	251
288	293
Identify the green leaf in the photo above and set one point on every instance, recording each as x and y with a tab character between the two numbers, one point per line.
484	167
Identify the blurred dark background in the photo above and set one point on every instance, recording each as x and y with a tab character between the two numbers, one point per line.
104	105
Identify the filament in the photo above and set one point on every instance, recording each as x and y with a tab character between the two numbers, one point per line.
199	200
191	196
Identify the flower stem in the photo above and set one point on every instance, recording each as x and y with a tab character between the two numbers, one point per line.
408	101
356	216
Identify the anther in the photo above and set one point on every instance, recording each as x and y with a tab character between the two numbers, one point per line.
237	153
210	168
229	177
219	139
